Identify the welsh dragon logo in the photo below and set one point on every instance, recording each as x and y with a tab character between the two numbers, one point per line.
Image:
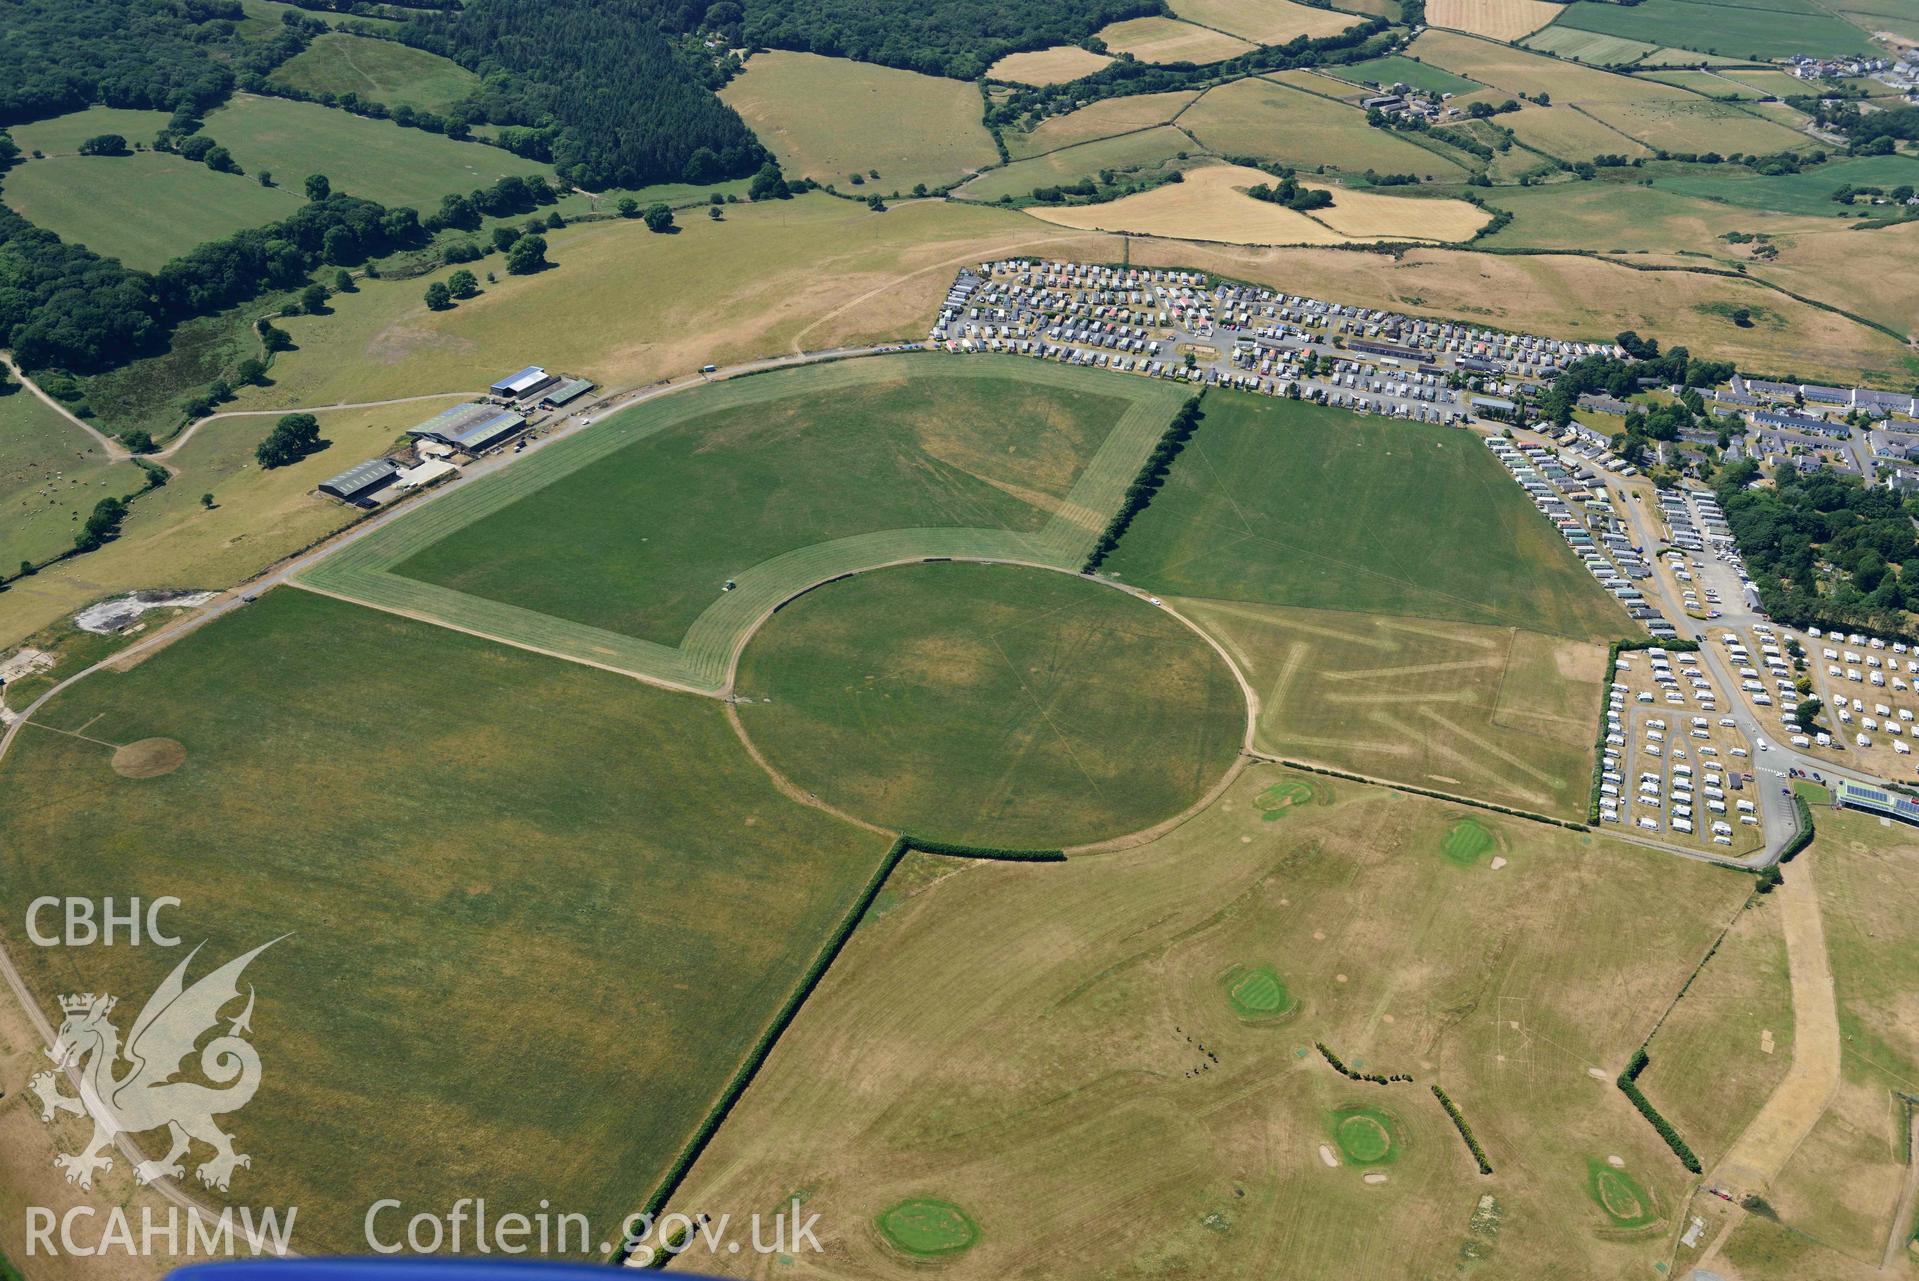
146	1096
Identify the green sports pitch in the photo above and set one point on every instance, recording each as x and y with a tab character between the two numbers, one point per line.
616	545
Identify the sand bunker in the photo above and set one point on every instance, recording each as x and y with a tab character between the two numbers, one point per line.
149	758
1375	1177
1326	1155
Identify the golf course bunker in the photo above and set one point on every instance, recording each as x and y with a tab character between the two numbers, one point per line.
925	1228
1257	994
1465	841
1618	1194
990	705
149	758
1366	1135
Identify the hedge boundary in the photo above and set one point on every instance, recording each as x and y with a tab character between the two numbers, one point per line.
1528	815
1465	1130
1152	474
691	1150
1339	1065
1629	1083
998	853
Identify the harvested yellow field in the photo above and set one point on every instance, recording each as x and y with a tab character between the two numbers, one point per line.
1102	119
1047	66
1495	19
1265	21
1367	215
1169	40
1212	204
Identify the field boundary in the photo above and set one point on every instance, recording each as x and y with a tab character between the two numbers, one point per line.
707	657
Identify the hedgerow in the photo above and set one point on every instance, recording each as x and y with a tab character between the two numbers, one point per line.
1408	788
1003	854
1629	1083
1152	474
1465	1131
1339	1065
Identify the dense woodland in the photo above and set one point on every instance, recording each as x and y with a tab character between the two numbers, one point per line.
61	55
606	91
957	38
1825	550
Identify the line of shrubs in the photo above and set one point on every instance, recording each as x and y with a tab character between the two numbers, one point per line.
1151	475
1339	1065
828	953
1001	853
1528	815
1629	1082
1465	1131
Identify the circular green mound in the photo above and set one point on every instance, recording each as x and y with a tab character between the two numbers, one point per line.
1366	1135
1618	1194
1282	796
1257	993
928	1228
1465	841
990	705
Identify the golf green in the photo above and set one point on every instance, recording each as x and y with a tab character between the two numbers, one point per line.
1619	1195
1465	841
1257	993
1366	1135
928	1228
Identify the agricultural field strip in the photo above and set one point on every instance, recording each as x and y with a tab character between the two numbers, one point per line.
361	571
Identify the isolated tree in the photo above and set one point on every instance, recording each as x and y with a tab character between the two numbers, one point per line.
343	281
104	144
527	256
292	438
1807	712
658	217
628	207
317	187
206	501
438	298
220	160
265	177
713	212
313	299
462	284
251	372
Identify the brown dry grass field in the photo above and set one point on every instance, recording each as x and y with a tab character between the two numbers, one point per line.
1491	712
1212	204
1265	21
1495	19
1047	66
1064	1103
1170	40
1102	119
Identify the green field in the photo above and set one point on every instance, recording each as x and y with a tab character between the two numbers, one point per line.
51	475
1488	712
1059	1093
1709	83
374	159
928	1229
1277	122
617	545
990	705
1283	502
142	209
1148	150
1807	192
537	913
1607	217
830	118
1756	29
61	134
382	71
1396	69
1102	119
1588	46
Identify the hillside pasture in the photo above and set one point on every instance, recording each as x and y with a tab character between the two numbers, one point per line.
831	118
374	159
1145	151
1265	22
1710	84
1212	204
704	511
1282	502
1568	134
1067	1106
480	842
143	209
992	705
383	71
1494	19
1590	47
1607	217
1495	713
1047	66
62	135
51	475
1159	39
1267	120
1103	119
1758	31
1397	69
1808	192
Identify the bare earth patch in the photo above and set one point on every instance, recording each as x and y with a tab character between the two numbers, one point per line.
149	758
